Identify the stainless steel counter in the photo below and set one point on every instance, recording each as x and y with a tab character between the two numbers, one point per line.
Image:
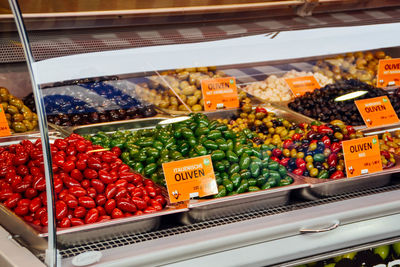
266	240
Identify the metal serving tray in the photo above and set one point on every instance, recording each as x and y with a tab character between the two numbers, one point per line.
205	209
35	237
325	187
210	208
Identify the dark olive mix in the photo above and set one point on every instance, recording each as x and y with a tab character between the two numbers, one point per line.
97	117
321	105
79	108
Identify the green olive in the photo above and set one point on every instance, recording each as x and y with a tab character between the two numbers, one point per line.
197	108
182	108
192	100
25	109
16	102
198	94
183	97
189	90
34	117
184	84
173	100
18	127
313	172
8	116
164	103
183	75
4	97
12	109
18	117
3	91
28	115
28	125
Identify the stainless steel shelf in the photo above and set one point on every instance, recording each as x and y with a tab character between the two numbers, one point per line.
266	237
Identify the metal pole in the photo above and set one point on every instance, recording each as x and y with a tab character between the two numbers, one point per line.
42	122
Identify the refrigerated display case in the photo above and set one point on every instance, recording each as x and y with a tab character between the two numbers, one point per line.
90	69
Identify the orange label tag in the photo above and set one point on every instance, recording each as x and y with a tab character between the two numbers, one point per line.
4	128
362	156
190	178
220	93
388	72
301	85
377	111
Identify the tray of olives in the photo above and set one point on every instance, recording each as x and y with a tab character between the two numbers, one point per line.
92	102
324	105
20	118
330	187
389	137
185	85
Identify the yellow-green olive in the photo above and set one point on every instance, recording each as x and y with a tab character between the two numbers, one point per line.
197	108
183	75
28	125
164	103
4	97
182	108
197	94
183	97
12	109
189	90
18	127
4	90
16	102
25	109
18	117
27	115
192	100
184	84
173	100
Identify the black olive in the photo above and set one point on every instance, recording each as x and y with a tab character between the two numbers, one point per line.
94	117
103	118
75	119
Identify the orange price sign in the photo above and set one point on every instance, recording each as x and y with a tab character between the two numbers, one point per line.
301	85
4	128
190	178
377	111
220	93
362	156
388	72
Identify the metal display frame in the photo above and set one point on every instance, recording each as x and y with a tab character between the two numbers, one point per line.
51	257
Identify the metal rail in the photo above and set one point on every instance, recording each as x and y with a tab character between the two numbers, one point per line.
44	134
